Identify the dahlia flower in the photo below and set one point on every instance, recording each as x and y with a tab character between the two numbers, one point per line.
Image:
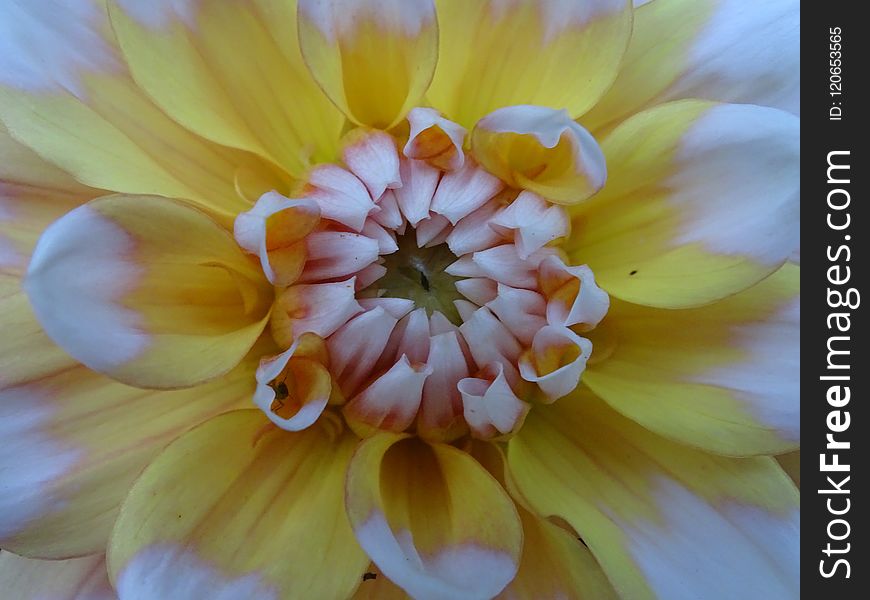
389	298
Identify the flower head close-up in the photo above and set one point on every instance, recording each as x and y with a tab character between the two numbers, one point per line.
433	299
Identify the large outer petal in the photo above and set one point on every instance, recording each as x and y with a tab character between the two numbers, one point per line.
75	579
664	521
721	377
702	201
231	72
373	58
496	53
726	50
245	507
147	290
432	519
65	92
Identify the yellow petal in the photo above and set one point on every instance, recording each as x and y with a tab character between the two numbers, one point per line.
69	96
373	58
680	223
432	519
720	377
547	52
147	290
238	505
541	150
376	586
28	578
706	49
555	563
233	73
663	520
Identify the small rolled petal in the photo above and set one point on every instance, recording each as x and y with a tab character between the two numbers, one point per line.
431	229
503	264
573	297
389	215
273	230
541	150
531	223
440	416
435	139
372	156
292	391
341	196
391	402
472	232
419	181
356	347
385	240
555	361
463	191
432	519
319	308
491	342
479	290
522	311
398	307
466	267
490	407
333	254
373	58
414	340
369	275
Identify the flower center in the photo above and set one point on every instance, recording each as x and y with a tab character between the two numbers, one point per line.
414	298
419	274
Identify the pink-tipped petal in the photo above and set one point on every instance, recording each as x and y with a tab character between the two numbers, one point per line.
479	290
414	342
356	347
466	267
333	254
491	342
341	196
372	156
385	239
473	232
419	181
522	311
319	308
441	407
398	307
389	215
490	407
430	229
503	264
531	222
463	191
391	402
555	361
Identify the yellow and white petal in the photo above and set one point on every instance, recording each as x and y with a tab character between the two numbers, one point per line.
319	308
240	509
531	223
147	290
720	377
541	150
436	140
75	579
496	53
66	92
75	440
724	50
573	297
649	508
232	73
373	58
274	230
432	519
680	223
